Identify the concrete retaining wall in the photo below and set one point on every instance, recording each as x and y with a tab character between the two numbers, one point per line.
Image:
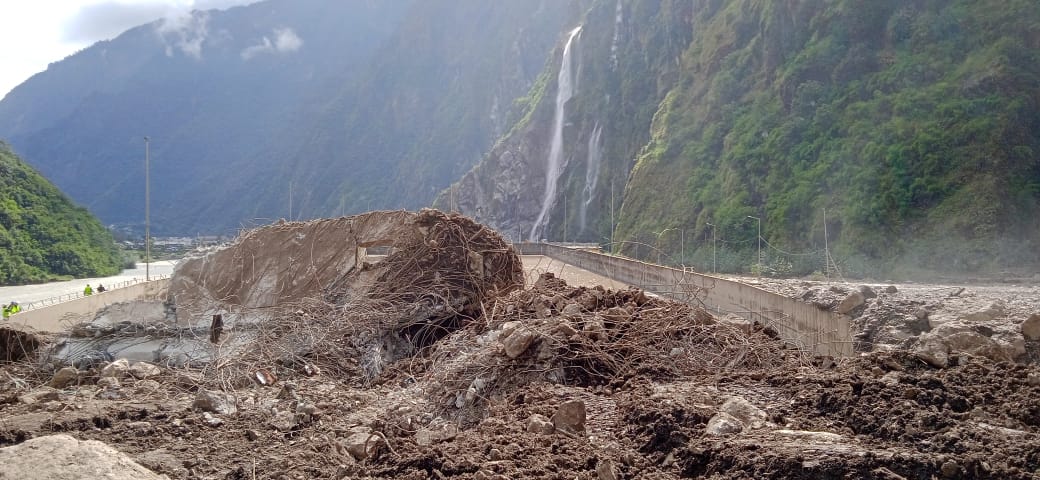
57	317
799	324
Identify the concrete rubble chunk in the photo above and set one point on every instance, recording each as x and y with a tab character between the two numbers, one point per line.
867	291
1031	327
143	370
216	402
570	416
595	329
723	424
571	310
117	369
438	431
850	303
540	424
108	382
64	457
64	377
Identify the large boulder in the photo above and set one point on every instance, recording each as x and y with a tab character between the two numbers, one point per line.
61	457
1031	327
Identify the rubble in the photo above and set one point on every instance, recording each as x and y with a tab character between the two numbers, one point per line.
64	457
435	362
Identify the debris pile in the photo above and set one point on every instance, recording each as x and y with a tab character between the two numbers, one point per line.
437	362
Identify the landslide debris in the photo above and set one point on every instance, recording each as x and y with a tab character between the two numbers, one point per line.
436	362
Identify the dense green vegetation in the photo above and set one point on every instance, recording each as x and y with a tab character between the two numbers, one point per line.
915	124
43	236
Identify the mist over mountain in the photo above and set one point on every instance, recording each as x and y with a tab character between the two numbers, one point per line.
355	104
915	125
651	125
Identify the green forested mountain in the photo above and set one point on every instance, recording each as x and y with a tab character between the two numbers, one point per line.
349	104
43	235
915	124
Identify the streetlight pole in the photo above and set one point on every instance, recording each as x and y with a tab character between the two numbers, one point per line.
714	266
759	260
147	215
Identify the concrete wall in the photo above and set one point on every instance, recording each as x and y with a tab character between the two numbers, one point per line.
58	317
799	324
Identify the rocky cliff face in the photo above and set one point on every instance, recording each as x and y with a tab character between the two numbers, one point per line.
912	124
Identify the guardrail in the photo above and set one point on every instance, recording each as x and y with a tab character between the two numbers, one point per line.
800	324
68	297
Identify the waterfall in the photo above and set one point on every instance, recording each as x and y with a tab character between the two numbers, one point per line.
554	164
591	171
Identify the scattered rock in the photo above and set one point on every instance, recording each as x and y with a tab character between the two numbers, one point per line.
440	430
145	386
950	469
738	322
606	470
117	369
1031	327
891	289
867	291
571	310
108	382
1033	380
932	350
570	417
216	402
363	445
518	342
64	377
64	457
993	311
42	394
723	424
211	420
283	421
539	424
143	370
595	329
850	302
746	413
808	436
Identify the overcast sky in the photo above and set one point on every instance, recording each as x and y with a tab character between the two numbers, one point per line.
34	33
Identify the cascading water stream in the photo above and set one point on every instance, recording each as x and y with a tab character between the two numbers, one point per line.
591	172
554	165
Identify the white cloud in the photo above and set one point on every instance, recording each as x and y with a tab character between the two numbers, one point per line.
185	31
285	40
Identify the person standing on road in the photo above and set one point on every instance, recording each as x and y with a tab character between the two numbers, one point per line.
87	290
7	311
15	308
100	288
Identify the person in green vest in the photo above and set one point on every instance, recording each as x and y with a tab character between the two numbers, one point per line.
87	290
15	308
7	311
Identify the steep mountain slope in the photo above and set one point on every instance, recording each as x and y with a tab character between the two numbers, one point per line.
326	96
914	124
42	234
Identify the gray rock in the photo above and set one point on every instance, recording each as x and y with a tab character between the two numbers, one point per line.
932	350
211	420
518	342
850	302
1033	380
595	329
42	394
988	314
723	424
363	445
539	424
64	377
570	417
116	369
891	289
744	411
143	370
216	402
571	310
64	457
606	470
1031	327
283	421
439	430
108	382
867	291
